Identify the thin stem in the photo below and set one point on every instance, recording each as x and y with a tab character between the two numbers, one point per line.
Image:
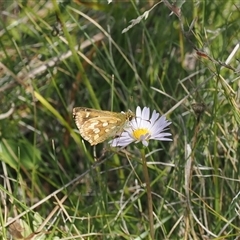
149	194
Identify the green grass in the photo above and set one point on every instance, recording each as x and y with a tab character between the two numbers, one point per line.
57	56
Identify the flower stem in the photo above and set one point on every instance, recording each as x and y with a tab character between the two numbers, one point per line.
149	194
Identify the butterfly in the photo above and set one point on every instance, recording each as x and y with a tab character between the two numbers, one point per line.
95	126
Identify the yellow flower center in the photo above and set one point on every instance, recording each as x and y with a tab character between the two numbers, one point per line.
140	132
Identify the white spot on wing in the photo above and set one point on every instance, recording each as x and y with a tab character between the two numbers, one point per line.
105	124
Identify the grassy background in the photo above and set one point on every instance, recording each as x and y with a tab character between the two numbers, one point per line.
60	55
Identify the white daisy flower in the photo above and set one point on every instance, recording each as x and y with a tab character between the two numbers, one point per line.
142	128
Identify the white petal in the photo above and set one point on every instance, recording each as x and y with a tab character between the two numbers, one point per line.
138	112
159	125
154	117
145	113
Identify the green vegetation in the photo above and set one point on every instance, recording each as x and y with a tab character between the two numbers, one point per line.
57	55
